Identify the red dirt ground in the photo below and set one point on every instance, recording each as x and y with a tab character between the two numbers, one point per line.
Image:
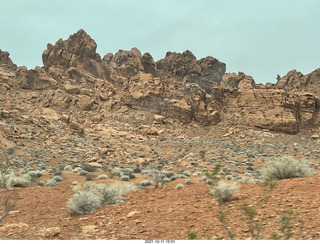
164	213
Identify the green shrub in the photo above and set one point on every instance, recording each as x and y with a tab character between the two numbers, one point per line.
286	168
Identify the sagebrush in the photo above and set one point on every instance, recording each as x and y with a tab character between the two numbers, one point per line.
286	168
224	191
92	196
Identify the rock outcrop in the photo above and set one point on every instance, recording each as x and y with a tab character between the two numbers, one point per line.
78	51
6	62
36	79
77	81
204	72
294	81
268	106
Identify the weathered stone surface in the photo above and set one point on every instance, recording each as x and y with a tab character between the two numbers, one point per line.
205	72
5	61
295	81
37	79
4	142
179	87
79	51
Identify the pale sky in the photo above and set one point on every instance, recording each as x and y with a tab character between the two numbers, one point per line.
262	38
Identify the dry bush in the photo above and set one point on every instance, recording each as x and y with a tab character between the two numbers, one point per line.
91	196
223	191
84	202
286	168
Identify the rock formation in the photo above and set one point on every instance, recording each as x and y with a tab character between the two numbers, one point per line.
76	80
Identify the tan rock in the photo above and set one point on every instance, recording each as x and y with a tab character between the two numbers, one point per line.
159	118
132	214
95	165
50	114
147	130
37	79
96	118
76	127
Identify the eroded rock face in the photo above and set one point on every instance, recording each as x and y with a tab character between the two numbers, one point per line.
79	51
179	86
4	142
205	72
37	79
268	107
295	81
5	61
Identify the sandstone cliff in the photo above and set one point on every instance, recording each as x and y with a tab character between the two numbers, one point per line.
75	79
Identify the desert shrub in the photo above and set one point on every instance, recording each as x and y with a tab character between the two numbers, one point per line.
18	181
9	204
58	172
157	177
10	180
145	183
123	188
102	177
188	181
125	178
51	183
40	183
116	172
76	170
108	194
35	174
179	186
167	174
89	168
191	234
83	172
57	178
5	180
90	177
84	202
247	180
68	168
286	168
223	191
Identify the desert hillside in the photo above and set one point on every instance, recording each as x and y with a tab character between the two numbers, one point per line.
162	135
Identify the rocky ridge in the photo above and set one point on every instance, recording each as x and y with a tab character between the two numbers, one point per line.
76	80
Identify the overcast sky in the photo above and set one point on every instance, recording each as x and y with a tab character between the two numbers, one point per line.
262	38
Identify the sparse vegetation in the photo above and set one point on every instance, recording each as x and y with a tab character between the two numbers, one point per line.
91	196
287	223
158	178
90	177
103	177
192	235
286	168
84	202
224	191
145	183
179	186
8	203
